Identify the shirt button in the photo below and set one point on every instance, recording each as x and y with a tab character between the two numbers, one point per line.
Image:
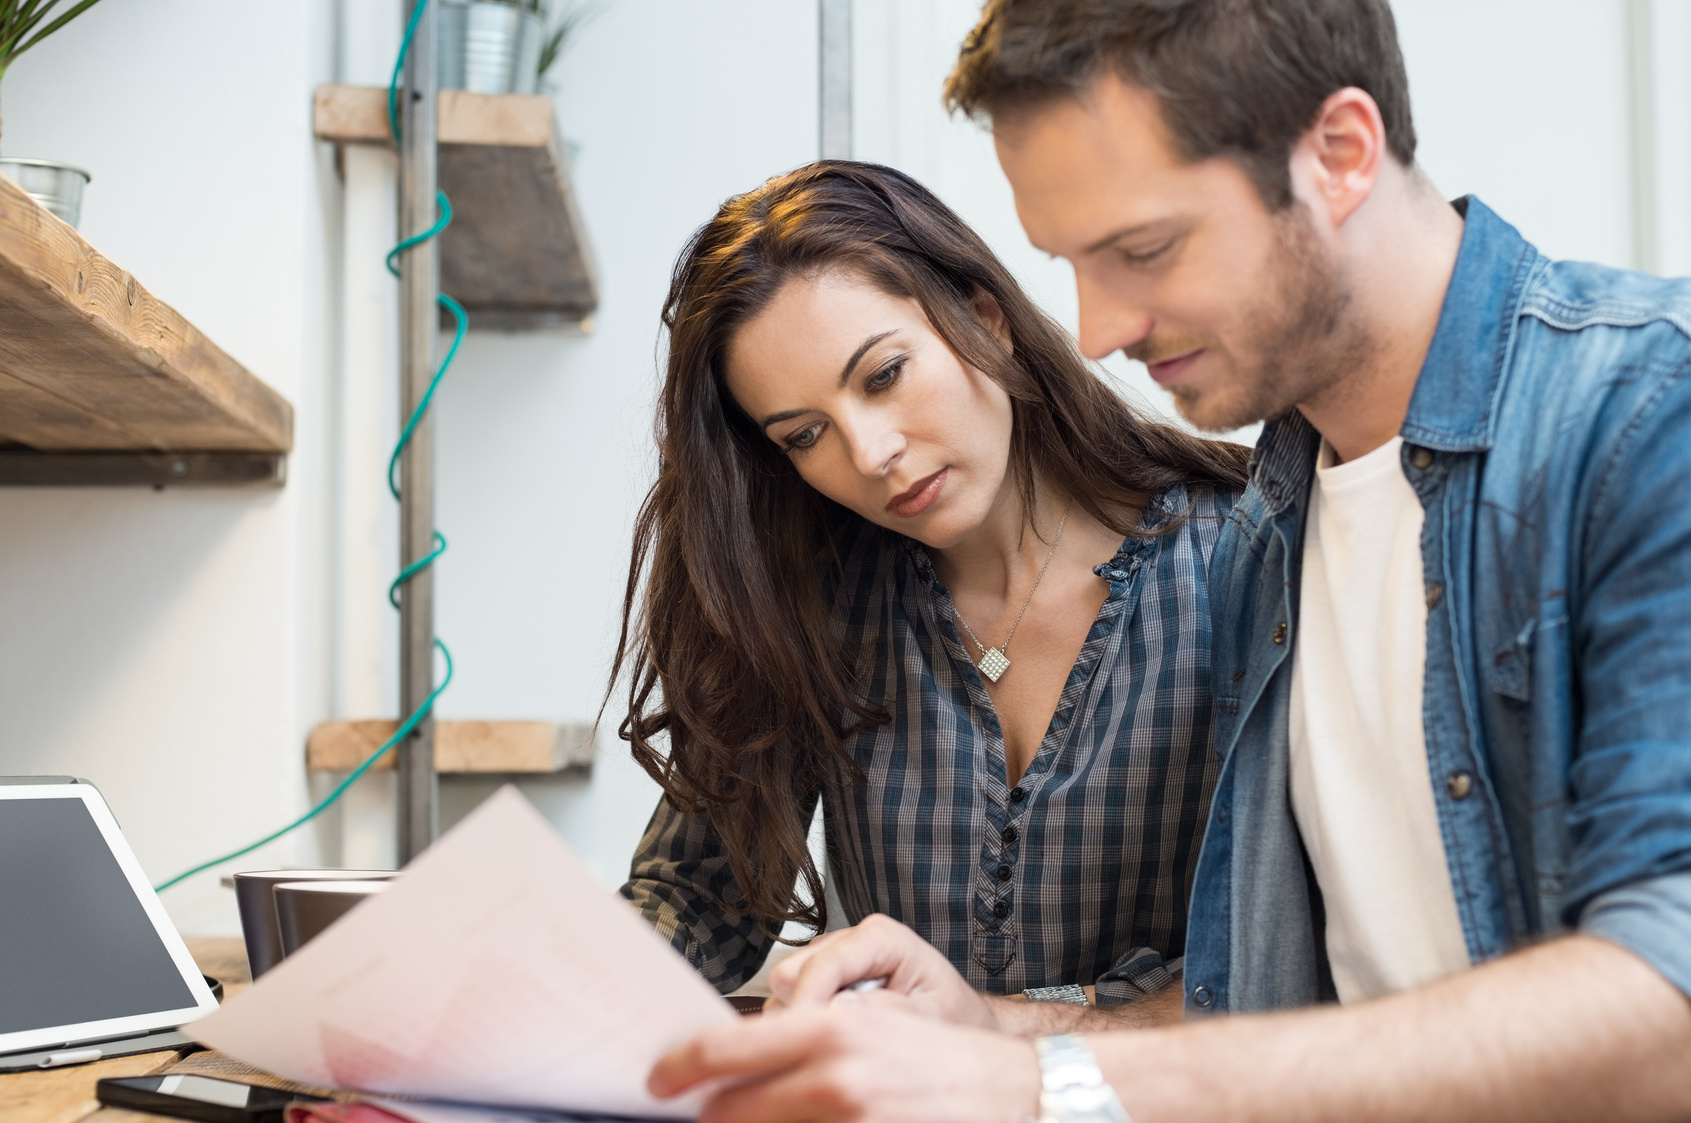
1001	909
1018	793
1004	873
1201	997
1280	632
1421	457
1435	593
1459	785
1221	812
1009	835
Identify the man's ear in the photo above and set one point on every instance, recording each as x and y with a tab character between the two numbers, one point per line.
991	316
1336	162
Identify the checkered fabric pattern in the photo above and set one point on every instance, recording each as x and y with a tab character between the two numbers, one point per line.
1080	872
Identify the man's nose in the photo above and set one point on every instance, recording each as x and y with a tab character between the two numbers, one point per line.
1109	321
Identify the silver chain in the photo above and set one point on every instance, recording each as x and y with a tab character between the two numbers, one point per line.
1005	646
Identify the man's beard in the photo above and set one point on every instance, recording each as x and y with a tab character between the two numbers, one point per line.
1298	342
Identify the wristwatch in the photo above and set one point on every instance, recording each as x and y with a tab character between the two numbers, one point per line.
1070	993
1073	1090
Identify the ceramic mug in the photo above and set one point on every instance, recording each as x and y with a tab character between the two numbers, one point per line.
255	897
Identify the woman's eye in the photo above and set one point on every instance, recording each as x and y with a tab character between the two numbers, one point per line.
886	376
804	438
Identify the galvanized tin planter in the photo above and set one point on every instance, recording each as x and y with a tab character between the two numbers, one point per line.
58	187
488	47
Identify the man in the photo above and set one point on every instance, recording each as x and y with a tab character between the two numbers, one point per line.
1453	618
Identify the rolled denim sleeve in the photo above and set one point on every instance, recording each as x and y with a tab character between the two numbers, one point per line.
681	882
1652	919
1629	820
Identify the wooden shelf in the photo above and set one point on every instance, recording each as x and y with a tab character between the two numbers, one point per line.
516	255
459	746
90	361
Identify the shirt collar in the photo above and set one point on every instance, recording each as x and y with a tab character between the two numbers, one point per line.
1454	404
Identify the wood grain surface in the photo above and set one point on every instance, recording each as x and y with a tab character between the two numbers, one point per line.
517	251
90	360
460	746
359	115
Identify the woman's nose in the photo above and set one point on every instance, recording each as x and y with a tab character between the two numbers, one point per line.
876	447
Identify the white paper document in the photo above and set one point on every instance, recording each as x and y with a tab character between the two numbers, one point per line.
414	1112
496	971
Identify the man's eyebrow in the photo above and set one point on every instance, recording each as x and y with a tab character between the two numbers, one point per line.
1124	232
845	376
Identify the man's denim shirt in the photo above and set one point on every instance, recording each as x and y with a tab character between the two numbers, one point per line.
1549	439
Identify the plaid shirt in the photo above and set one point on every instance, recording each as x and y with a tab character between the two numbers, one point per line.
1079	873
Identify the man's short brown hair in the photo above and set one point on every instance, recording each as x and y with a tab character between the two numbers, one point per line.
1237	78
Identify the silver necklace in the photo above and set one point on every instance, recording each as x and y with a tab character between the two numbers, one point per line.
993	662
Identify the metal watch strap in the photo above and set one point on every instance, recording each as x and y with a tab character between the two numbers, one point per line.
1073	1090
1069	992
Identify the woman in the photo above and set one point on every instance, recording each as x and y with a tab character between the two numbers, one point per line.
908	555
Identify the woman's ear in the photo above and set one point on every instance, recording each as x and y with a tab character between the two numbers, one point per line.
991	316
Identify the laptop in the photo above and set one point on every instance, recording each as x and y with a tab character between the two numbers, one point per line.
90	964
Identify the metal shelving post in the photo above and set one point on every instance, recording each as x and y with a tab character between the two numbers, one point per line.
419	284
835	70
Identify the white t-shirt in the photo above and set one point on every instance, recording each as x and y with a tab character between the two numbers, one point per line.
1360	785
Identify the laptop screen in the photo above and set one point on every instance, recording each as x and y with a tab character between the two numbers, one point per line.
76	945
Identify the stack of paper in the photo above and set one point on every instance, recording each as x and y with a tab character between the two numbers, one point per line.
496	971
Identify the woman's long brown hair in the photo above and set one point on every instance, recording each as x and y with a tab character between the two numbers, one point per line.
730	649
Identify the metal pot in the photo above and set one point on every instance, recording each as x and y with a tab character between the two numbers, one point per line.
489	47
58	187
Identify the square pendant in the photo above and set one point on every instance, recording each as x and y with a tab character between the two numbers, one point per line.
993	664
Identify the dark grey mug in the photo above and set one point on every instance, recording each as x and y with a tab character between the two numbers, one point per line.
305	908
257	902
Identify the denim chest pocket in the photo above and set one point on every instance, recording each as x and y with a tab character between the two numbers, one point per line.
1510	672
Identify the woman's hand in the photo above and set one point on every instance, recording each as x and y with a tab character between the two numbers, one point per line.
880	947
871	1060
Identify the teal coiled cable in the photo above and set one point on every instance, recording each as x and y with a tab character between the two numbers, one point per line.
462	319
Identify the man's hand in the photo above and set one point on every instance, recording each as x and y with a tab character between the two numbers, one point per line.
880	947
871	1060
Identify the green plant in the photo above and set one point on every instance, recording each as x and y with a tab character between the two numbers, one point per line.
575	15
18	18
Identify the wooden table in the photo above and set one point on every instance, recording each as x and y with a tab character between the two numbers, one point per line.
66	1095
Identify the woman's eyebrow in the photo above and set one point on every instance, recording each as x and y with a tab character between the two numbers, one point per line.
862	349
845	376
784	415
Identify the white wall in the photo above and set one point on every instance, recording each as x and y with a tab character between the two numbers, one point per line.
170	646
175	647
1524	103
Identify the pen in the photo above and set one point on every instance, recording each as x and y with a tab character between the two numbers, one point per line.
69	1057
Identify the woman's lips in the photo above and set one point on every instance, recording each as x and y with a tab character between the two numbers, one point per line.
1166	372
920	497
